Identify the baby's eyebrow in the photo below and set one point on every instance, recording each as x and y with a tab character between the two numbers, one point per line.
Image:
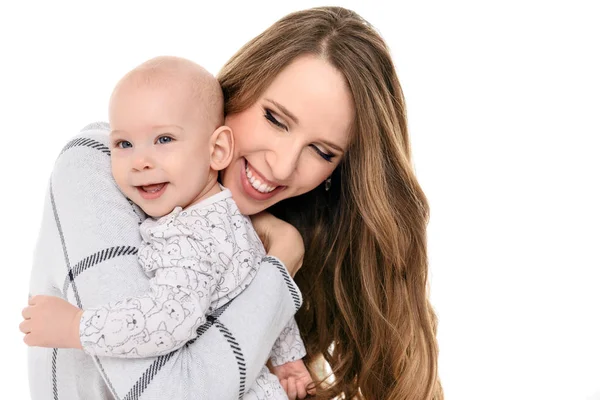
159	127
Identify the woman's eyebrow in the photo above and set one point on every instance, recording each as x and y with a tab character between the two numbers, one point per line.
284	110
333	146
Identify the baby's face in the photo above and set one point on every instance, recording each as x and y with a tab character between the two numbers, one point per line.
160	151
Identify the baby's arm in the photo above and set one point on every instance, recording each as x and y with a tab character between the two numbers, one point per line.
289	346
286	361
157	323
166	316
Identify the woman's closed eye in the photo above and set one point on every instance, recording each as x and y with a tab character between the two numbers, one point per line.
269	115
326	156
271	118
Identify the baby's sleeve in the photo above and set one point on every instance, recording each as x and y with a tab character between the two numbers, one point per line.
169	314
289	346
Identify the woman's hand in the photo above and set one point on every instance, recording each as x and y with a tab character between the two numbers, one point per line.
280	239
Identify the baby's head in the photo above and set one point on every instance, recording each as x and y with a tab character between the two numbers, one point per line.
167	136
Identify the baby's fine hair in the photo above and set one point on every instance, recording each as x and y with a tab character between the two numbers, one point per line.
169	70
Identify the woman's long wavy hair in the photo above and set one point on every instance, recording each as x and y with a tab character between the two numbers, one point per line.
364	278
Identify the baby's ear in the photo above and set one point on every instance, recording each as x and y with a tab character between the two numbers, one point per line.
221	148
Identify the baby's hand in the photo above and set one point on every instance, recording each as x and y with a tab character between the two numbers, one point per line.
295	379
51	322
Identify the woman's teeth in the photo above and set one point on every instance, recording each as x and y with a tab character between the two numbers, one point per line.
257	184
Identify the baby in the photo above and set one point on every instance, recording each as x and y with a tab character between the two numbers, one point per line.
168	144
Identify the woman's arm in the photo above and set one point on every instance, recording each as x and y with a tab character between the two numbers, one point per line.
86	253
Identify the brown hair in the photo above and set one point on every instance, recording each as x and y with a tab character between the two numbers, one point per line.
364	275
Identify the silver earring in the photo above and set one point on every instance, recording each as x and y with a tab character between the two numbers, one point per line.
327	184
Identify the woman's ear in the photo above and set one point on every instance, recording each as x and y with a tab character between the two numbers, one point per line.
221	148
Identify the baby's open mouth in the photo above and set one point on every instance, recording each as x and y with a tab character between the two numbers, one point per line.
152	191
152	188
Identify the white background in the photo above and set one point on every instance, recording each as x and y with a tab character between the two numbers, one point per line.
503	106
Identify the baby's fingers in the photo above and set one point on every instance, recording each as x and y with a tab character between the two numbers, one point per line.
25	326
284	384
31	339
26	313
292	391
300	389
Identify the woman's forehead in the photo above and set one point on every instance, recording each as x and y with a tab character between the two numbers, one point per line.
317	94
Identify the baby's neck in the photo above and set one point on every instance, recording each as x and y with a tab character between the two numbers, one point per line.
210	189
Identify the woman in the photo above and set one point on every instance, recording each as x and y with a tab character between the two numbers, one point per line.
321	141
365	269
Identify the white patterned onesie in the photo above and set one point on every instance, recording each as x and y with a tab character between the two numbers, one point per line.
198	260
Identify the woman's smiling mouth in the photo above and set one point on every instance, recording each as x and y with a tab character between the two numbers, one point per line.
255	185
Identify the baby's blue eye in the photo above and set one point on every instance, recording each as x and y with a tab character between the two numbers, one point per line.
124	144
165	139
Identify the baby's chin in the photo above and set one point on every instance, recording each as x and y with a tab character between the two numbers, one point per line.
157	211
155	215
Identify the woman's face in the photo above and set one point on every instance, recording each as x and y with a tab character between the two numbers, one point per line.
292	138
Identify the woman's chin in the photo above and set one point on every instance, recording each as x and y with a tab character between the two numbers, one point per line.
249	207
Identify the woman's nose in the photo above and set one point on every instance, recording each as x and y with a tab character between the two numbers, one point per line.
283	161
